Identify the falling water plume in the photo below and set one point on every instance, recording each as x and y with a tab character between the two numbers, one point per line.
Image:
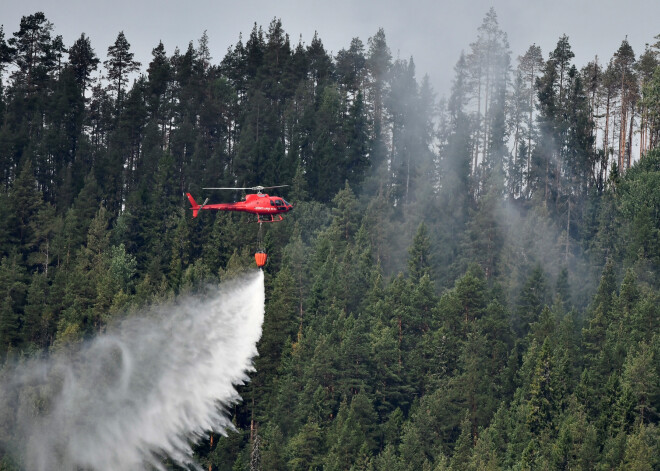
145	389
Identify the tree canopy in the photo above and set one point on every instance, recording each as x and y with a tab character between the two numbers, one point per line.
467	282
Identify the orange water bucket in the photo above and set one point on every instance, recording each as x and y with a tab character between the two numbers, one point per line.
260	257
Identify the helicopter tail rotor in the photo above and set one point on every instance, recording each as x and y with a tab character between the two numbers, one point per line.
195	207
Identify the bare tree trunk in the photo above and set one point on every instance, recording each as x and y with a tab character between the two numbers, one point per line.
486	112
478	137
622	136
211	448
624	121
606	130
547	178
613	133
568	231
255	453
630	133
400	338
531	121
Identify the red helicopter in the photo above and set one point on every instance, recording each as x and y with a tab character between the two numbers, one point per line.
267	208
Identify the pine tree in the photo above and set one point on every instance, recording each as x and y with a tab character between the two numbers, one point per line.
83	61
159	75
120	65
351	67
488	63
379	60
6	51
517	120
32	51
530	66
624	61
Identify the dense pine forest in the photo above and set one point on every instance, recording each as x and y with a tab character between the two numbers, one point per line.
469	282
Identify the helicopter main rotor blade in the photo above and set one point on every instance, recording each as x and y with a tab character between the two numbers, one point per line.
254	188
227	188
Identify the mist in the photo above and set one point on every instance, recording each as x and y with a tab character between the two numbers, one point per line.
147	388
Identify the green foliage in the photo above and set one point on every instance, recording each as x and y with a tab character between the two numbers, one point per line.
304	449
419	253
120	64
437	300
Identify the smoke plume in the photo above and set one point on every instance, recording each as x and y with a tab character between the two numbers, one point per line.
147	388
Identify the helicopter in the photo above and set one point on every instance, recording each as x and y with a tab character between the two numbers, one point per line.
267	208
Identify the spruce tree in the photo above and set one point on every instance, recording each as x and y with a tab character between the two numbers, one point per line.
419	255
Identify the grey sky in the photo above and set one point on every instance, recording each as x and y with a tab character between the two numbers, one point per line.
433	32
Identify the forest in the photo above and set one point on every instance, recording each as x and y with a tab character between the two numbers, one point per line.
467	282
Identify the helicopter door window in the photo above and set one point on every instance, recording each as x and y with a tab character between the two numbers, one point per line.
271	203
278	202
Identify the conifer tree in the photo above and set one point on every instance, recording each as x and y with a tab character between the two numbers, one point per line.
305	447
83	61
38	323
530	66
531	301
120	64
351	67
379	60
32	51
26	201
488	65
419	254
6	51
13	290
624	62
640	380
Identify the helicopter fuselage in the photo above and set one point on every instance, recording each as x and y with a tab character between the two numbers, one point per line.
255	203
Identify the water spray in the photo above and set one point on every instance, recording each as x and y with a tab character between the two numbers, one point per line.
147	388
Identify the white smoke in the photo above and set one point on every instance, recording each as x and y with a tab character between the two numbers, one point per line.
145	390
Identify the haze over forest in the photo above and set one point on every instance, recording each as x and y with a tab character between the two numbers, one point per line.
466	282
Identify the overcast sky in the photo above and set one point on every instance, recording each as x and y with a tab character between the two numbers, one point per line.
433	32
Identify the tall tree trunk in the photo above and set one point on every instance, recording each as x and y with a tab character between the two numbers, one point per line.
568	231
547	179
531	121
622	136
486	121
478	137
630	133
606	133
624	121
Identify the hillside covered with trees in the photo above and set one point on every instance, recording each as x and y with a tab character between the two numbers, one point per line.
465	283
